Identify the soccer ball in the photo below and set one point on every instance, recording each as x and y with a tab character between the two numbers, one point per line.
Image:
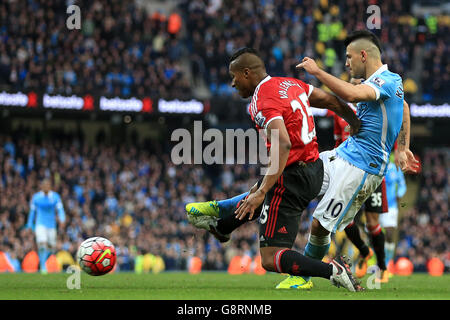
96	256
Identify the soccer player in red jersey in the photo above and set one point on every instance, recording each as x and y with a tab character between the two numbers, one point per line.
281	106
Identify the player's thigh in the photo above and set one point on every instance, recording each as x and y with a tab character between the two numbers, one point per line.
51	237
349	187
278	222
41	235
285	202
327	158
389	219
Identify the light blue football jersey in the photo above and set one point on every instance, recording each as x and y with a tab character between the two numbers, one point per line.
381	121
43	209
395	185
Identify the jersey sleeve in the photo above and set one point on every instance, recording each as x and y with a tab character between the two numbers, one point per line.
268	108
60	209
32	214
383	86
267	112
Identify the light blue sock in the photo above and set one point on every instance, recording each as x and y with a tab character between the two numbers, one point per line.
228	206
389	251
317	248
42	252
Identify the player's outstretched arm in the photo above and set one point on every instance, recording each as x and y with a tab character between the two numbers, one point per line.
324	100
347	91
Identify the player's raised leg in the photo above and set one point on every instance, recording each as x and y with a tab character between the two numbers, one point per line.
217	217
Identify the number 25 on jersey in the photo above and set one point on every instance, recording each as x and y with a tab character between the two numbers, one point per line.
308	131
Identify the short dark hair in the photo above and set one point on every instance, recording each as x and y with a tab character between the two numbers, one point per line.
241	51
363	34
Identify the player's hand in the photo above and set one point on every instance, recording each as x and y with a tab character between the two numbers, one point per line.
250	204
405	161
309	65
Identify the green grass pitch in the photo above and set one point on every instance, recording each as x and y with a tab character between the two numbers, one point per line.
209	286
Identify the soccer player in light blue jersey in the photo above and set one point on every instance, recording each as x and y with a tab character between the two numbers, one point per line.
45	206
395	189
356	168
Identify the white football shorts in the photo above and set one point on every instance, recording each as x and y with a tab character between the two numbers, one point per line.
345	188
45	235
389	219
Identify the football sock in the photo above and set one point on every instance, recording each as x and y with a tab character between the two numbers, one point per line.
228	206
389	249
296	264
317	247
377	238
353	234
230	223
42	253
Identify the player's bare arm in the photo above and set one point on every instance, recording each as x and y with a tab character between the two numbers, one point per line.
347	91
404	158
324	100
277	165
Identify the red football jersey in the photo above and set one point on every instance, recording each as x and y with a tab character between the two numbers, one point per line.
287	99
341	129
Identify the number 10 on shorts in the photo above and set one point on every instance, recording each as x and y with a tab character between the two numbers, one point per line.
335	209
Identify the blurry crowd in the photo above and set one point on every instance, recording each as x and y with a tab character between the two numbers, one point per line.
424	230
124	50
285	31
130	194
134	196
120	50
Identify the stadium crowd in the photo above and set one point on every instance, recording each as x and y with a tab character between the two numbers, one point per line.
136	199
424	230
122	50
286	31
124	193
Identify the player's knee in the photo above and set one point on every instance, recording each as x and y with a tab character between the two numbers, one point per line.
372	219
318	230
267	258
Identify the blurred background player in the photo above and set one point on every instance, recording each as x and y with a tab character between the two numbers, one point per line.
44	207
395	189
